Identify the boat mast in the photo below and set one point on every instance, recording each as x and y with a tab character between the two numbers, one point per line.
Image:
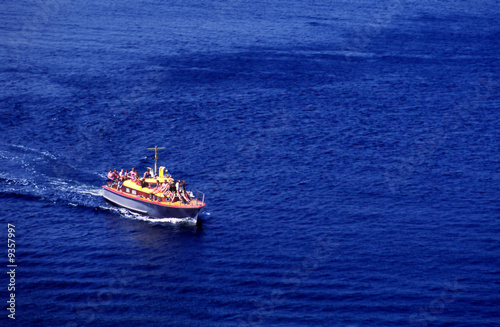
156	154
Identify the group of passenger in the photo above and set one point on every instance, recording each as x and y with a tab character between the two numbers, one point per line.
114	175
116	178
171	191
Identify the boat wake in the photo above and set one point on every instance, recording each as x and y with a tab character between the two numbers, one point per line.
50	190
167	221
29	173
125	213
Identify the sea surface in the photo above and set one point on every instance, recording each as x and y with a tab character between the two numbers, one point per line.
349	152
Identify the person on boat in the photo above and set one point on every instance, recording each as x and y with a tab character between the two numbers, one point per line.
181	188
166	187
122	173
183	185
110	177
157	188
178	191
161	187
137	179
116	178
183	191
171	185
146	174
172	190
127	175
120	184
132	173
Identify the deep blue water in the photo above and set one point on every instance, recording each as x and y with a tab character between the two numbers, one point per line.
349	152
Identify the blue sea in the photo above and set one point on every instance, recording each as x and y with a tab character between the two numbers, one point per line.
349	152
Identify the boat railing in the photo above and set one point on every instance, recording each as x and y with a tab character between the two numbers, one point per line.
198	193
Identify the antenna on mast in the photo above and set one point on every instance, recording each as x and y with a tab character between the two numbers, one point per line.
156	154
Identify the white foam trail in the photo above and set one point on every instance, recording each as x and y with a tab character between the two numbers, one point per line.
97	192
170	221
73	187
17	181
136	216
102	175
44	153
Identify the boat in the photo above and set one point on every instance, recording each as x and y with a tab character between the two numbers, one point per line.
141	196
